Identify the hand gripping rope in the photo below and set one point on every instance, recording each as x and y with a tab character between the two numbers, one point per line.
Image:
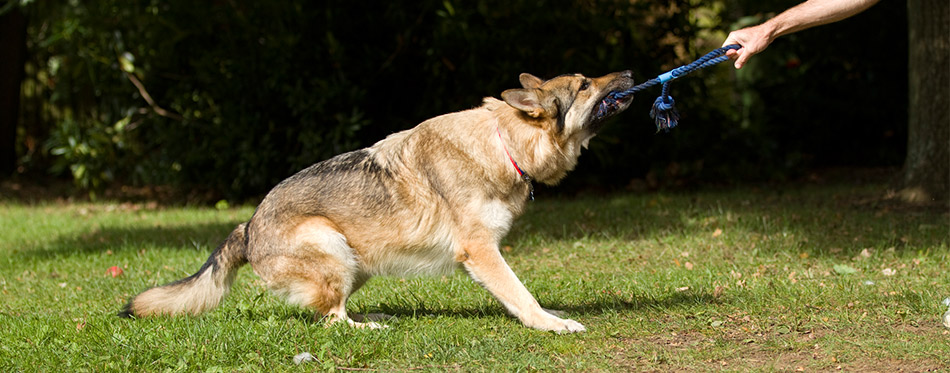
663	112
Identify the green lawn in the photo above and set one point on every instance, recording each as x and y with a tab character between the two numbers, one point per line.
768	278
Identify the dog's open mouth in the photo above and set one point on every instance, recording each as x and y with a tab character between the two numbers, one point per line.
611	104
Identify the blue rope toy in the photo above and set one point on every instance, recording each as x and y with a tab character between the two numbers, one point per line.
664	113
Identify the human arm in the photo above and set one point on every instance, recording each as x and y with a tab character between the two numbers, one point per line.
811	13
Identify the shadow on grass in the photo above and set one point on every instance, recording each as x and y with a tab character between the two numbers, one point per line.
839	221
604	305
118	240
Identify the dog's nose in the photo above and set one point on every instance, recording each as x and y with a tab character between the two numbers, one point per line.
627	74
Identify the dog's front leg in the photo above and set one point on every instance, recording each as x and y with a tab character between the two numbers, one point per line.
487	267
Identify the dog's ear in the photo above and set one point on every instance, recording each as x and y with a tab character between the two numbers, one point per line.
530	101
530	81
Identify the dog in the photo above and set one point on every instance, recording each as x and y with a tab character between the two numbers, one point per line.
427	200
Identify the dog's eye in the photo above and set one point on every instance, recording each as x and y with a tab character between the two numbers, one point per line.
585	85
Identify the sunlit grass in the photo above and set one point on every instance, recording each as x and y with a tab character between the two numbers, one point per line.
807	276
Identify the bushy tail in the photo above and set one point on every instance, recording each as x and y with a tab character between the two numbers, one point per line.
199	292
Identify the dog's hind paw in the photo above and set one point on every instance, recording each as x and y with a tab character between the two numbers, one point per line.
367	325
359	321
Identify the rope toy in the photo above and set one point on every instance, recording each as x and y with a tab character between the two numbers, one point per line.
664	114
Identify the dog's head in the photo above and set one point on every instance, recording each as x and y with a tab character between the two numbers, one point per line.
565	110
570	102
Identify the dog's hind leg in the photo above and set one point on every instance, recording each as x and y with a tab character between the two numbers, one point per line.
320	272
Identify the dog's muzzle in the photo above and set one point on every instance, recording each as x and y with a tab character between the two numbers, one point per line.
617	100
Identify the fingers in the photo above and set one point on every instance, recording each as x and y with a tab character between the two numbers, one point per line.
741	59
751	42
736	54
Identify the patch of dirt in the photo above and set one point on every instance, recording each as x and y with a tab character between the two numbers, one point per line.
736	349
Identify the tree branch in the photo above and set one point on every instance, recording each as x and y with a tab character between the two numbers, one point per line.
148	98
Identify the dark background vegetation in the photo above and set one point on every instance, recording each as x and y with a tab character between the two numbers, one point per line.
241	94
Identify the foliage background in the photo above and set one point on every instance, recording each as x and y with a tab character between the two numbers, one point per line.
245	93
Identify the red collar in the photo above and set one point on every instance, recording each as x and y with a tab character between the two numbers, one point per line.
521	172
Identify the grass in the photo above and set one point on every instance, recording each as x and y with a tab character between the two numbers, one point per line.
813	277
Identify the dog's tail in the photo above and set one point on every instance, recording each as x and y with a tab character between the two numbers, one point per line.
199	292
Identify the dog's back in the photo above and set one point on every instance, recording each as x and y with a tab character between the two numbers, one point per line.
401	197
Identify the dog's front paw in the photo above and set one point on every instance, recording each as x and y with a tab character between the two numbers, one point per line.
571	326
558	325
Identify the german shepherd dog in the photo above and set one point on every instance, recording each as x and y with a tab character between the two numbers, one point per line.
422	201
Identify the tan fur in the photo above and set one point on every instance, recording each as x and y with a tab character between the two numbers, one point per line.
423	201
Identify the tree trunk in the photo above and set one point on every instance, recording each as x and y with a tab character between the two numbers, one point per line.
927	166
13	50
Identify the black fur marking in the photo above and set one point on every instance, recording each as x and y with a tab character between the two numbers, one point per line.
212	263
247	232
357	160
434	181
126	312
352	176
562	109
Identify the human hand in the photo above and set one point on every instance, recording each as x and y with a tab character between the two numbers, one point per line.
752	39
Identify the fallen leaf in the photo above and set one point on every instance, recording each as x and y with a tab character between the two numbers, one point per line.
717	292
717	232
889	272
115	271
688	265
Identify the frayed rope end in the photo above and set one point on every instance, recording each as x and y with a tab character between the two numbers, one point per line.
664	113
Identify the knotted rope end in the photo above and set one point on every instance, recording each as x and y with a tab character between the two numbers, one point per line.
664	113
